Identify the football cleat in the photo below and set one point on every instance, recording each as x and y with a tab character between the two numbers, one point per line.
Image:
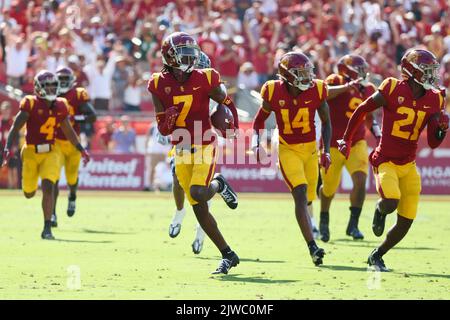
324	232
197	246
47	235
175	226
174	230
227	193
376	262
54	220
317	256
379	220
355	233
71	207
226	264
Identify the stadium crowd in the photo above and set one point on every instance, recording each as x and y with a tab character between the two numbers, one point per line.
113	46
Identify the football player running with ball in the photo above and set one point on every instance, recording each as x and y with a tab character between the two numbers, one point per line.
181	96
80	111
178	194
42	113
294	99
352	76
409	105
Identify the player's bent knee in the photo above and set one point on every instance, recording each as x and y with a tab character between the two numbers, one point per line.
29	195
299	193
199	193
388	205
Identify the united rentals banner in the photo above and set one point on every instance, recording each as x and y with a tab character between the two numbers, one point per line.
112	172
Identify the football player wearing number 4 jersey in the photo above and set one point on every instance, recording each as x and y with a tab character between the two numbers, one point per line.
181	96
409	105
351	68
42	114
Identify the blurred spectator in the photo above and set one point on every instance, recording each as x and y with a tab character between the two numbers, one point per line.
132	96
157	148
6	121
100	81
229	60
17	50
124	138
105	135
247	77
119	83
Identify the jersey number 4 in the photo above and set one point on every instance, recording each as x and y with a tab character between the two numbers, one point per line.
301	120
411	116
48	128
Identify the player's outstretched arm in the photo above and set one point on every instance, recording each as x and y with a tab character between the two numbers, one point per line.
334	91
73	138
372	103
88	113
324	114
437	127
19	122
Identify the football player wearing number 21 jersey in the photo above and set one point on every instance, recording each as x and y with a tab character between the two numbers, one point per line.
42	114
409	105
181	96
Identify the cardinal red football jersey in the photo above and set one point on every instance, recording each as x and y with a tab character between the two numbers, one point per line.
404	118
294	115
43	120
191	100
75	97
342	107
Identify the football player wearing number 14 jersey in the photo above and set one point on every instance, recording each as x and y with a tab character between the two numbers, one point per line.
409	105
181	96
295	99
42	113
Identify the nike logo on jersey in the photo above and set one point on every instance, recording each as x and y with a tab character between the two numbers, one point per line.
426	107
308	101
196	88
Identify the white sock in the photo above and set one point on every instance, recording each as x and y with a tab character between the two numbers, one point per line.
179	216
209	202
310	212
200	235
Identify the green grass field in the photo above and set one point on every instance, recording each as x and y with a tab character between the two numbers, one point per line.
119	242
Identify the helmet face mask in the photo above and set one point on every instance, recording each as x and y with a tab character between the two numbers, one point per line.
46	86
66	79
203	62
422	66
296	70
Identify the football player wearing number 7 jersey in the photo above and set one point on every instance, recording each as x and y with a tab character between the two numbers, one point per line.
42	113
294	99
181	96
409	105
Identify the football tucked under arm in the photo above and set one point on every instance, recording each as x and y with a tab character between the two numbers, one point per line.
230	104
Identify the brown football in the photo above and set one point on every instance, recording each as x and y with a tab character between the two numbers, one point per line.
222	118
